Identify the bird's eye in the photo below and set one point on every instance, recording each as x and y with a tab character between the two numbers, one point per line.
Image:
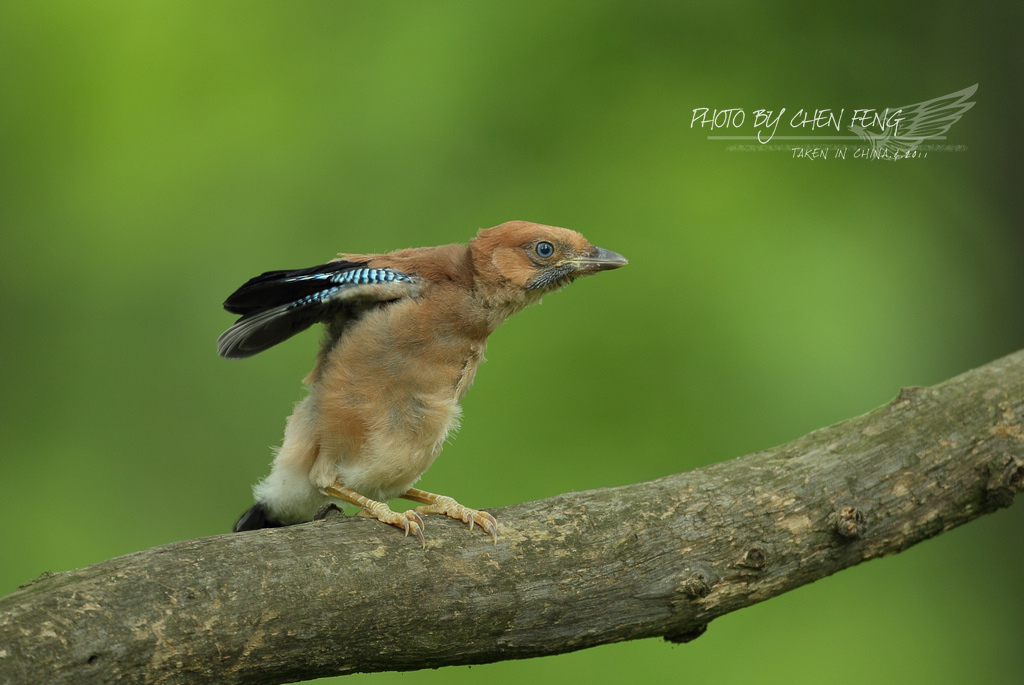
544	249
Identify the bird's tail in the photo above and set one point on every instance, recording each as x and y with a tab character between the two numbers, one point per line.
254	518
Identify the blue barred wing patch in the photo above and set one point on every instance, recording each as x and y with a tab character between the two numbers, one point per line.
340	280
363	275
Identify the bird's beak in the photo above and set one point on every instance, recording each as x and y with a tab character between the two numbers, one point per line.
601	259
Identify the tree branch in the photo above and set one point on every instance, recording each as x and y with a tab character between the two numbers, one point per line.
661	558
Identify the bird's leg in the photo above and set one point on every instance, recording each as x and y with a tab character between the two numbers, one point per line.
440	504
409	521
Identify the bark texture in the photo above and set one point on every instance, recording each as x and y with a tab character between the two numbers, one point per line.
661	558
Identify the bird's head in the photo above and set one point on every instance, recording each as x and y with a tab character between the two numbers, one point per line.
534	259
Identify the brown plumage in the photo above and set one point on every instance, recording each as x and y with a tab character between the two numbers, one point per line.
405	332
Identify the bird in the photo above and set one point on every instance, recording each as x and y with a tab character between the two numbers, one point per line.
404	333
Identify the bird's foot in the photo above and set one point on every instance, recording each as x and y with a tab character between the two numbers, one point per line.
440	504
409	521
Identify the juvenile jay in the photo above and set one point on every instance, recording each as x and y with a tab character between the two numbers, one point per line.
404	334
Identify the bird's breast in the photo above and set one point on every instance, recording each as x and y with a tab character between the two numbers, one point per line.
388	396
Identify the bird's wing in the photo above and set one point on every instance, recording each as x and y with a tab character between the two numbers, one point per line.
276	305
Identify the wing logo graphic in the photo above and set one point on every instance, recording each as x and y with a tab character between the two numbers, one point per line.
918	123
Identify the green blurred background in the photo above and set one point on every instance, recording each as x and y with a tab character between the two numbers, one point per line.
153	156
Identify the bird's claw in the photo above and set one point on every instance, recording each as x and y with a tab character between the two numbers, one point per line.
449	507
485	521
414	526
492	528
409	521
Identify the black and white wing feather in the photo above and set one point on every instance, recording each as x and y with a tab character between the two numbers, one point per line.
276	305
